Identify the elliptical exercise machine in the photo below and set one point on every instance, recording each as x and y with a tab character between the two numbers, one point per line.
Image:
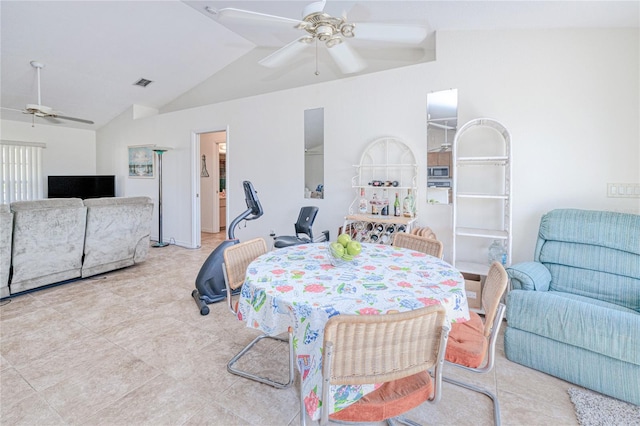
210	285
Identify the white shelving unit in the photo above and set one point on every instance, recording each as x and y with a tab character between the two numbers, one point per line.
481	193
386	160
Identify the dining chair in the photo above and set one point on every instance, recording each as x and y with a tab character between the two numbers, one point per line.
424	231
415	242
236	260
397	350
472	344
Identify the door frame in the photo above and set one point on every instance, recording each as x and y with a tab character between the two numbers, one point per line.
196	227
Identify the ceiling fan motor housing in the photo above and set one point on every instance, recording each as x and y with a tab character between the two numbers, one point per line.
326	28
38	109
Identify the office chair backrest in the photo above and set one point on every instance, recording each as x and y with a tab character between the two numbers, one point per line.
305	221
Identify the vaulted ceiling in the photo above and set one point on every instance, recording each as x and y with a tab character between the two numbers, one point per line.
94	51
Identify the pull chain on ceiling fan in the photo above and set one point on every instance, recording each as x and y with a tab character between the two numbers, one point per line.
332	31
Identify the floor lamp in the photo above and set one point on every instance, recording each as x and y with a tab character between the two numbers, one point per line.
160	150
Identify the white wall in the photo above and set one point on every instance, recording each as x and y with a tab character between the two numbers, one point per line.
570	99
69	151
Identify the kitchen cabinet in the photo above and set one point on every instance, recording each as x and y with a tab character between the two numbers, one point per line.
439	158
481	194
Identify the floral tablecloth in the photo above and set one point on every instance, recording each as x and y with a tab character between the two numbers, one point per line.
299	286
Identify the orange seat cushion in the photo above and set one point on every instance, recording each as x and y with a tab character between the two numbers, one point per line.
389	400
467	345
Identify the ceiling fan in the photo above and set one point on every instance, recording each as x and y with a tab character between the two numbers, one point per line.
39	110
319	26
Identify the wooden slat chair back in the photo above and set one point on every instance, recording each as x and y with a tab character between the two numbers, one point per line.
398	349
418	243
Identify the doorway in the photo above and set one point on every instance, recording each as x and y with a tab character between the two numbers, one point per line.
209	183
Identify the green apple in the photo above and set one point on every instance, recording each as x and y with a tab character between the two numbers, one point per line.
354	248
337	249
344	239
347	256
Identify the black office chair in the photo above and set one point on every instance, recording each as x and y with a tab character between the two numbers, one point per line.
302	226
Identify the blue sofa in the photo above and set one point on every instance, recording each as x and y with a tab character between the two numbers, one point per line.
574	312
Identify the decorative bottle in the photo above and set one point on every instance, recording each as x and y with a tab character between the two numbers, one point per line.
408	204
497	253
385	203
396	206
362	204
374	204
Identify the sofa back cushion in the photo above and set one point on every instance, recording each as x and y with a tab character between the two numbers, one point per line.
48	239
592	253
118	232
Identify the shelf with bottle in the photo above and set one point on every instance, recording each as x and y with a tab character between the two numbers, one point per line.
380	196
374	200
385	192
378	223
376	229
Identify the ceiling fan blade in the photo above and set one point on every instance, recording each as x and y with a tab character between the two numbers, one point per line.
285	54
13	109
441	126
79	120
314	8
230	13
412	34
346	58
51	119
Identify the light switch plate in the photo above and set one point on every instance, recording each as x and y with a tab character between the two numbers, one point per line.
623	190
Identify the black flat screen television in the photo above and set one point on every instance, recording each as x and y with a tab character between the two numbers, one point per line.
81	186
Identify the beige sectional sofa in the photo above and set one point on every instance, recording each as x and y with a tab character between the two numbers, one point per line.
59	239
6	233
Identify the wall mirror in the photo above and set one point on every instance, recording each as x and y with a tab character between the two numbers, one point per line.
314	153
442	122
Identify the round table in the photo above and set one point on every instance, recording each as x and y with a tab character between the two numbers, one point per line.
303	286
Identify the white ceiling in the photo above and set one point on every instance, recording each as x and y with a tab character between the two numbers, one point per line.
95	50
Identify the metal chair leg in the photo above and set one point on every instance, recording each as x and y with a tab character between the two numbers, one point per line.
279	385
403	420
494	398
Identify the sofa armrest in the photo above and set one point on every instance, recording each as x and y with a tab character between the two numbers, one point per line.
529	276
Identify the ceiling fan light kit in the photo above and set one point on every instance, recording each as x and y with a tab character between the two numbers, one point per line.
322	27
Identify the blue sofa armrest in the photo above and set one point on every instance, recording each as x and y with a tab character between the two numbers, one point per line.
529	276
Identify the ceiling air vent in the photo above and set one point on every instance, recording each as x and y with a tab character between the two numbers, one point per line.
143	82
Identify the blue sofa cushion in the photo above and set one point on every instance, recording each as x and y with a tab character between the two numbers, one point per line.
587	323
594	254
617	289
596	228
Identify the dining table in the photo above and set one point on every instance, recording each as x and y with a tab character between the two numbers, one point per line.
302	286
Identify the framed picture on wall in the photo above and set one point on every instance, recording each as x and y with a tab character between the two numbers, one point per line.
141	161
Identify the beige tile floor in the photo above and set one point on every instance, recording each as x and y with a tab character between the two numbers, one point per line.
131	348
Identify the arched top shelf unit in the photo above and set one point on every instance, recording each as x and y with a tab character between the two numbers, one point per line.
391	165
387	159
481	193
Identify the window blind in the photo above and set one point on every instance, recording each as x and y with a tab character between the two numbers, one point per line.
21	173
